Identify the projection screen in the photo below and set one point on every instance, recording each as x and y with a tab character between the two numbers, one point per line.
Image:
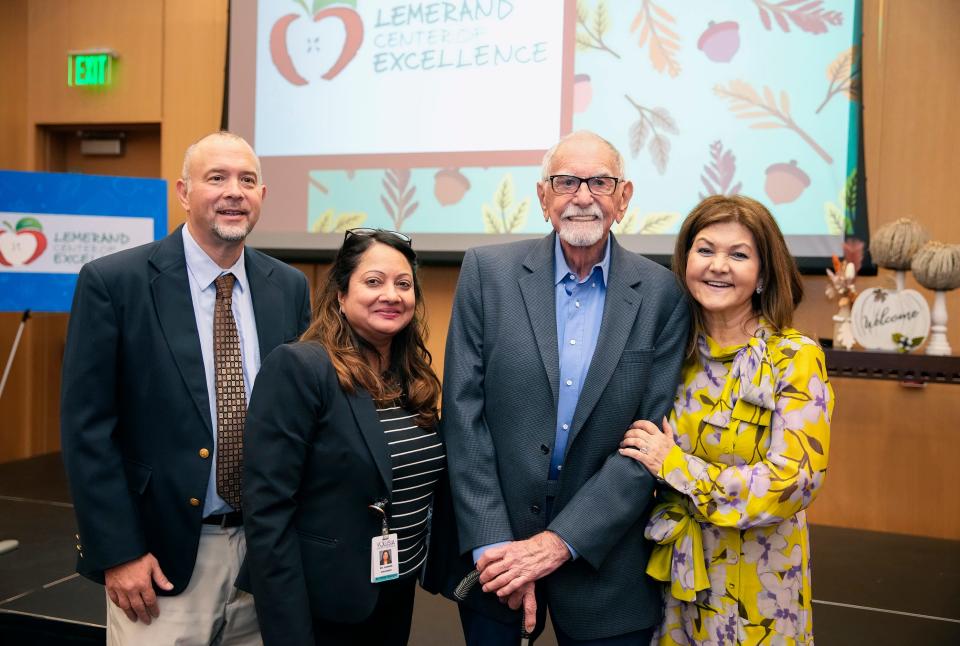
432	118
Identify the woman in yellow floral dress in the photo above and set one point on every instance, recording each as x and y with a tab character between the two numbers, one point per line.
745	450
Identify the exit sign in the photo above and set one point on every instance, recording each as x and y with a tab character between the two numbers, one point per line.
91	67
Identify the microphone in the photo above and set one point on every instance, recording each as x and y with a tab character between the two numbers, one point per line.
463	589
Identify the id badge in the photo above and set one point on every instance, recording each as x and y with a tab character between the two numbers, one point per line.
384	565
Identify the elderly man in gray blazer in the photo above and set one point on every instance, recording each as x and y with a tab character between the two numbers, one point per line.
555	347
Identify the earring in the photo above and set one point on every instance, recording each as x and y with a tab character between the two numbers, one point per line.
759	286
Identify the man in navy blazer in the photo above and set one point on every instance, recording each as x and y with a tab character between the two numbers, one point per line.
139	406
555	347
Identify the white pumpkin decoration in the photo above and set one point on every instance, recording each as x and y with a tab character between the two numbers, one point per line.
884	319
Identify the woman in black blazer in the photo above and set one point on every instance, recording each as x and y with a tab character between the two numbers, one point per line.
342	458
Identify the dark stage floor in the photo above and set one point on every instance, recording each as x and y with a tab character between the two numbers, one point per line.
869	588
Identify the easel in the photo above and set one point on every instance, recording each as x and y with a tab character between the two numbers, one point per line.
10	544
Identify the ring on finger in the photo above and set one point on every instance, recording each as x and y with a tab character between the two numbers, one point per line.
644	448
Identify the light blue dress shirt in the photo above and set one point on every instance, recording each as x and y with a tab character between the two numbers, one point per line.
579	314
202	271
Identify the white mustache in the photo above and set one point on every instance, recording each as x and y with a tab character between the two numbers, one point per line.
574	211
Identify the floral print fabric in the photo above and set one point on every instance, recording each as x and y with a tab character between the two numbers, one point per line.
752	427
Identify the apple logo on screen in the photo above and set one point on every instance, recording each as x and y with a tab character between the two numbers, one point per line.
21	244
280	51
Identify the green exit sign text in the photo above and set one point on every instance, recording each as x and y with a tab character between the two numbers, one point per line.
90	68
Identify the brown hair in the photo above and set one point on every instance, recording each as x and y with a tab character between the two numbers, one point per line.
411	379
782	286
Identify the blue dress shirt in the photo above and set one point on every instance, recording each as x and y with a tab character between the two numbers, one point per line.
202	271
579	313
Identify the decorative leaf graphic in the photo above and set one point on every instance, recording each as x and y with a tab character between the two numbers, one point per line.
850	201
660	152
601	20
746	103
809	16
662	120
320	4
656	122
834	217
628	225
840	215
518	219
844	76
491	224
657	222
590	37
326	223
398	195
317	184
664	42
717	176
504	216
638	135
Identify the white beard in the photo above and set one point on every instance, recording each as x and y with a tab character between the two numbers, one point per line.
581	234
233	233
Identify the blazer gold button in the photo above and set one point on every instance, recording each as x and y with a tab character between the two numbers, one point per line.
194	502
79	548
204	453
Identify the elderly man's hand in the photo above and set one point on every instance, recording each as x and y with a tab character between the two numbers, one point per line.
507	568
525	597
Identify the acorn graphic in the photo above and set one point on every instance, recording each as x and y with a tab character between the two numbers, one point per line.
785	182
449	186
582	92
720	41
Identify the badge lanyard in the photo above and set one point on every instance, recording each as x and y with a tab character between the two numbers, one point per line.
384	565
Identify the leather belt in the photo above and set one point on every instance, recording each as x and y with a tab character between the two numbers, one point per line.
233	519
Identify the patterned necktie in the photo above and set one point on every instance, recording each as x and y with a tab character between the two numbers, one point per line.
231	394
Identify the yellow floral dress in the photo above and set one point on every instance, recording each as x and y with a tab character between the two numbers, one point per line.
752	427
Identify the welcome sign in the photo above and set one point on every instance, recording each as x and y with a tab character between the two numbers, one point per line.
886	319
52	224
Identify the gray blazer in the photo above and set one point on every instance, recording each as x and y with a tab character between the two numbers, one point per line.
500	390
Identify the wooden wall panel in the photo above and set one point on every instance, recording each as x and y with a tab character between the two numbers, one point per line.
13	85
194	59
133	29
892	458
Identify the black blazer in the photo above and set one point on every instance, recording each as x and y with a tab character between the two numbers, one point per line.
315	457
134	404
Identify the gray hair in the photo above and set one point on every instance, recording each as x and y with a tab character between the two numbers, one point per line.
222	134
548	156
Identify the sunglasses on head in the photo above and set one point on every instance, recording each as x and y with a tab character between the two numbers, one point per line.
363	232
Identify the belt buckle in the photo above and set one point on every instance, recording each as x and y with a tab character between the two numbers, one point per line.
223	521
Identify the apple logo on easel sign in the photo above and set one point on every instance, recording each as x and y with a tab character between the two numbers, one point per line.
889	320
21	244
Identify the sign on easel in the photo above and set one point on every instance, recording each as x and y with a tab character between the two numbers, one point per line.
51	224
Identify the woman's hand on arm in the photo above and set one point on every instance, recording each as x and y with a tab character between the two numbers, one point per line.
647	444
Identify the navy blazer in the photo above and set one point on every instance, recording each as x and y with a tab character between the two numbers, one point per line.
501	383
315	459
134	409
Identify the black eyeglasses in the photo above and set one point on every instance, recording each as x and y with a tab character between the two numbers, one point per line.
568	184
366	231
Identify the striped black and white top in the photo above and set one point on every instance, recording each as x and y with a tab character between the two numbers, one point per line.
418	462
